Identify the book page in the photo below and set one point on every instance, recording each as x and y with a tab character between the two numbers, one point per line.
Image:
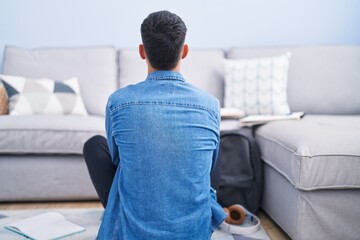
49	225
259	119
231	113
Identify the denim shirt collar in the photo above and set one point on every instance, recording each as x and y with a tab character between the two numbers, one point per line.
165	75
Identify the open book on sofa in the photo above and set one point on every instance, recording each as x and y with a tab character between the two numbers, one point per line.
261	119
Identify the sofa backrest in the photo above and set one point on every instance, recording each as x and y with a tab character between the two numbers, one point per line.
203	68
94	67
322	79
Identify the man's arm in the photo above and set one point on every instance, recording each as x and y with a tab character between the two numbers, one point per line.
216	151
218	214
215	156
113	148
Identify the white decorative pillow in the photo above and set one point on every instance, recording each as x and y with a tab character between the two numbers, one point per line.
257	86
43	96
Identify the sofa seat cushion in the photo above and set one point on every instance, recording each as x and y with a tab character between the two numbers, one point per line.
316	152
47	134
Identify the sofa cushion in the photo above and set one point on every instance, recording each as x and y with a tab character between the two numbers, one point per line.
316	152
47	134
257	85
203	68
315	74
95	68
29	96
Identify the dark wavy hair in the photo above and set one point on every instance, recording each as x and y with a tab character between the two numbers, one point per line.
163	36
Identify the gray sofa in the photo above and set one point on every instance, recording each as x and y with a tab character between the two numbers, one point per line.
311	166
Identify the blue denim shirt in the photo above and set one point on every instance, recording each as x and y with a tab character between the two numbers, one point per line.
163	134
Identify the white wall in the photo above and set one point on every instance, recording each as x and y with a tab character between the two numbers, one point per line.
211	23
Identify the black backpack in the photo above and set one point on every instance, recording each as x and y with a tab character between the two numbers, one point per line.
237	175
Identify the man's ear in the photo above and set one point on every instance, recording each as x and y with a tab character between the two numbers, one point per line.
142	51
185	51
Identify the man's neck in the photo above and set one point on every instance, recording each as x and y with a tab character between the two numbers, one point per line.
151	69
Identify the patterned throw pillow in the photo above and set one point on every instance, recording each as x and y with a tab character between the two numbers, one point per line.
43	96
3	100
257	86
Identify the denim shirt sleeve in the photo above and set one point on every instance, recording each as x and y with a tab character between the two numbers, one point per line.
216	151
113	148
215	155
218	214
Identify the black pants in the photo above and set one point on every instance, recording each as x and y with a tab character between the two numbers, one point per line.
100	167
